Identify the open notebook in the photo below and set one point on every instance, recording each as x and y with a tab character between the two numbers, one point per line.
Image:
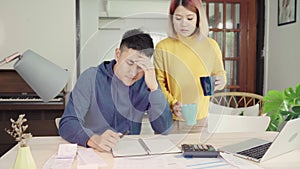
148	146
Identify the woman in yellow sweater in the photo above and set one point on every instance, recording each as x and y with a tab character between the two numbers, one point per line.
186	55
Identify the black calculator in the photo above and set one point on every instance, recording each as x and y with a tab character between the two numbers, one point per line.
199	150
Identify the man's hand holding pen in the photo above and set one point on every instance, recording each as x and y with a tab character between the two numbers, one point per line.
125	133
106	141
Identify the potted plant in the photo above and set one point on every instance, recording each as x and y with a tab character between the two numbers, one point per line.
282	106
24	158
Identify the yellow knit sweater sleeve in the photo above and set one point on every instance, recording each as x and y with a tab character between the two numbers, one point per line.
159	61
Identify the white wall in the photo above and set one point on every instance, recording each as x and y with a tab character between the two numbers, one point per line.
89	12
282	68
46	27
99	45
88	26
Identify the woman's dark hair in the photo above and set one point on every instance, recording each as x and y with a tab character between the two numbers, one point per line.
195	6
189	4
138	40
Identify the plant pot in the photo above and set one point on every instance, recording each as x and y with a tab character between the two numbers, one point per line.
24	159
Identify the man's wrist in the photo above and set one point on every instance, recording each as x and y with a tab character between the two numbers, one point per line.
90	143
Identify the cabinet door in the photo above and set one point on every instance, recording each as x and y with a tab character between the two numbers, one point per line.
232	25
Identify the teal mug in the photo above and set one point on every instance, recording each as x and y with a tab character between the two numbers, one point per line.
189	112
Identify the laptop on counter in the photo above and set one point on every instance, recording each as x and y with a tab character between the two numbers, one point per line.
259	150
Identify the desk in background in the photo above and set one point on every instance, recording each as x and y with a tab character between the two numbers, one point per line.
43	148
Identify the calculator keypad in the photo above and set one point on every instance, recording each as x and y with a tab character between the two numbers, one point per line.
199	150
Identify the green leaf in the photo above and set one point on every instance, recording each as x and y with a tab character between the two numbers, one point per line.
298	92
273	101
296	109
289	117
282	106
276	120
272	127
291	95
285	112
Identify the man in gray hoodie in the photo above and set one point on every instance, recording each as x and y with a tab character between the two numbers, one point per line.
111	99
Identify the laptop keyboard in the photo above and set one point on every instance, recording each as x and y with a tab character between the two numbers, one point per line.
256	152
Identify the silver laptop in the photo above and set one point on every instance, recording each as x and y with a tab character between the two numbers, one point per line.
261	150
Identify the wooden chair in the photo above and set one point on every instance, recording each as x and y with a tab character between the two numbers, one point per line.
238	100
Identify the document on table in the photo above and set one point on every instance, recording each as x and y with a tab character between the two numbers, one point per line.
177	161
139	147
87	157
63	159
170	161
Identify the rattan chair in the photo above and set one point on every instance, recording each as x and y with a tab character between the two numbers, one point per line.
238	100
220	123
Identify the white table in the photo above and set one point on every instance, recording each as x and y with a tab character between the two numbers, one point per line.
43	148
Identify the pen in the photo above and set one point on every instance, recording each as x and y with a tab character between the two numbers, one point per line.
144	146
126	132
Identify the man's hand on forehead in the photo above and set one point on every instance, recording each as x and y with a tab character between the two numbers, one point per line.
147	66
144	62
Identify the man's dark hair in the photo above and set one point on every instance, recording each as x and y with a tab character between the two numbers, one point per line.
138	40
